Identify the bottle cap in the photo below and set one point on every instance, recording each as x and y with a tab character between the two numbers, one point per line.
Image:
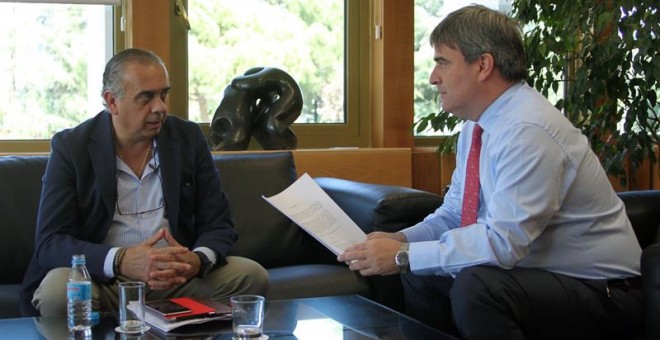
78	259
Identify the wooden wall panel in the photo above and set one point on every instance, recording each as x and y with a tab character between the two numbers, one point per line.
392	74
392	166
647	176
432	171
426	170
398	69
148	26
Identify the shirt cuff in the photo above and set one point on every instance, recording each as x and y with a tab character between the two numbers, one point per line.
109	261
415	234
210	254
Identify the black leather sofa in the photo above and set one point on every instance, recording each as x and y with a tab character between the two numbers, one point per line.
643	209
298	265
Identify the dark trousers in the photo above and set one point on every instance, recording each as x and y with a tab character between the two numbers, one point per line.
485	302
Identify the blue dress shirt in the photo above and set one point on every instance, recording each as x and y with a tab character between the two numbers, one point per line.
545	201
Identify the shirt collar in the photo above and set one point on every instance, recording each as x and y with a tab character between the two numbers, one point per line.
488	119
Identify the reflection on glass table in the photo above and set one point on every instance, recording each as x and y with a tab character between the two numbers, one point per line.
335	317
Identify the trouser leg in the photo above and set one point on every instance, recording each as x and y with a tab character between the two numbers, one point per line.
427	300
239	276
50	297
494	303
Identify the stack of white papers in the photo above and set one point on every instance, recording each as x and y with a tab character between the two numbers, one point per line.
306	204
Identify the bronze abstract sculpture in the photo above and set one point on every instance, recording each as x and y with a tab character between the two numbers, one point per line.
263	102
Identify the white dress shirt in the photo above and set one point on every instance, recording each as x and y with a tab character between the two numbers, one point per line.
545	201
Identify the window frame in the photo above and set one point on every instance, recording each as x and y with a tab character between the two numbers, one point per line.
15	146
355	132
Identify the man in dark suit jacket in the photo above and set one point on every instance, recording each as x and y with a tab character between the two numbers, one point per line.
137	193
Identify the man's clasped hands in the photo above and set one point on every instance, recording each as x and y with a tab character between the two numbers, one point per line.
160	267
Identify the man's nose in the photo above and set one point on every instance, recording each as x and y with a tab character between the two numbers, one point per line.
160	105
433	78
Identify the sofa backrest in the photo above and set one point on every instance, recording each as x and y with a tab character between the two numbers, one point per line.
643	210
20	189
265	234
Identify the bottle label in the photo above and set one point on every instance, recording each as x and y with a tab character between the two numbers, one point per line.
80	290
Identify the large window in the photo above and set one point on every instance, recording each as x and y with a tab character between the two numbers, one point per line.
302	37
335	93
323	44
50	73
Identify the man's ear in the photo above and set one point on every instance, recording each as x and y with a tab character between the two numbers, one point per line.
486	66
111	101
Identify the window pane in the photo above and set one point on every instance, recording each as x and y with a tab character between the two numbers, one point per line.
305	38
51	64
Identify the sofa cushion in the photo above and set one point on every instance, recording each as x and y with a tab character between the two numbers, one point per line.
264	234
9	306
315	280
19	202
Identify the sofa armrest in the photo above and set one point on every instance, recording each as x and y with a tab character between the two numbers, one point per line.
377	207
643	211
650	265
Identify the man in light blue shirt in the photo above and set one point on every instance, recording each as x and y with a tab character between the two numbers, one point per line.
552	253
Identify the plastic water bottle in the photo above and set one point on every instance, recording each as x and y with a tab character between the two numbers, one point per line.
79	299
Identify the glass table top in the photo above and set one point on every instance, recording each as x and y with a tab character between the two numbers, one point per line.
333	317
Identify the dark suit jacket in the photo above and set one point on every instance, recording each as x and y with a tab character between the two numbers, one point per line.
79	194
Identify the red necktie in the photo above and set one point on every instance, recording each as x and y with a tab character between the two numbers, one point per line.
471	185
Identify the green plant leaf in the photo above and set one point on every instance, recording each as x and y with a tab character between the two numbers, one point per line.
612	51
